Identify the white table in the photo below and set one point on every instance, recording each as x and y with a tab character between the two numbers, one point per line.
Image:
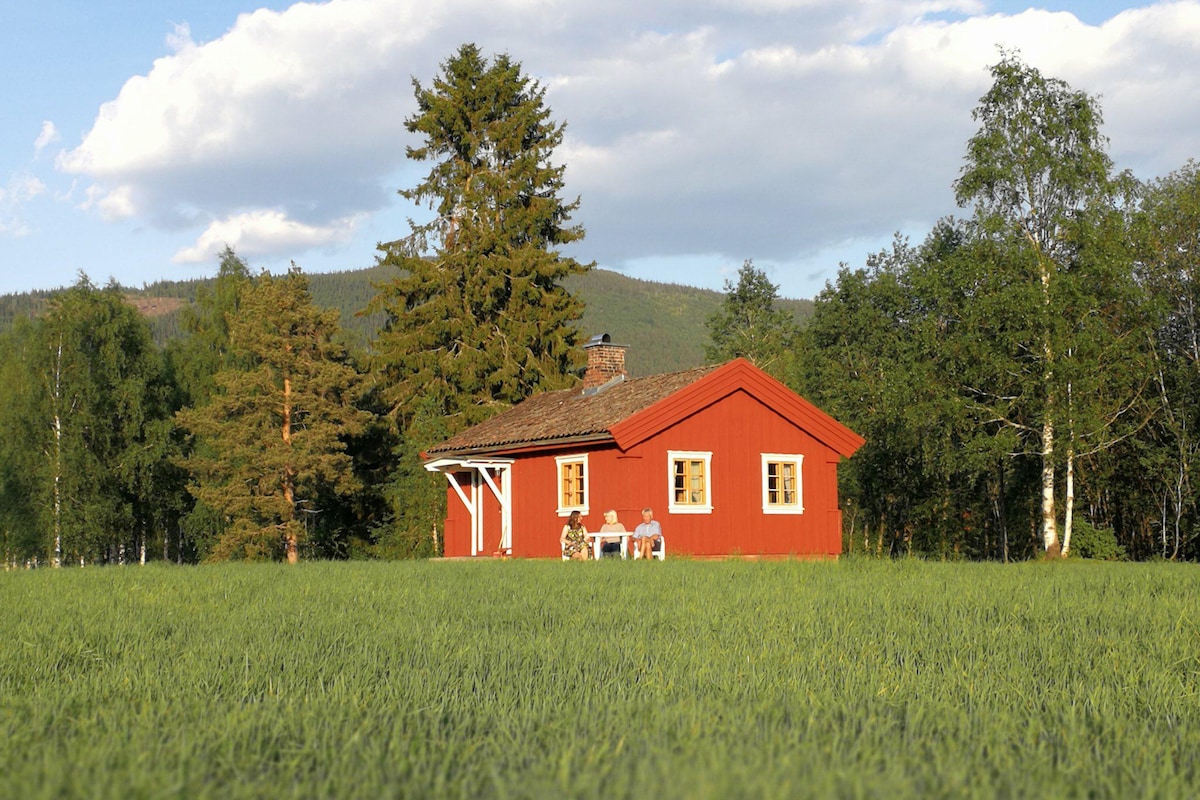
598	542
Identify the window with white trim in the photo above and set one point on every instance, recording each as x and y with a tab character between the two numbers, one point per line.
572	484
782	487
690	482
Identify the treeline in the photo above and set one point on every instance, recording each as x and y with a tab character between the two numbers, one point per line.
348	292
115	450
166	350
1028	377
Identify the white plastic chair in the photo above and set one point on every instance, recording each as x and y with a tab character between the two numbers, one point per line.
660	550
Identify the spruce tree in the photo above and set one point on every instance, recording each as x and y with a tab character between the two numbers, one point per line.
274	434
192	364
477	318
748	325
194	359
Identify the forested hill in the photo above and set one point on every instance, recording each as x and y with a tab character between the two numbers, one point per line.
663	323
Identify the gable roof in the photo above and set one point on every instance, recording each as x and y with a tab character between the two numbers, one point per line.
634	410
567	415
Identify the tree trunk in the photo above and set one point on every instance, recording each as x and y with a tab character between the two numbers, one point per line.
289	486
56	401
1049	523
1049	520
1069	504
1069	510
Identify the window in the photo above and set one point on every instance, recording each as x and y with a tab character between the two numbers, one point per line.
691	482
781	485
572	484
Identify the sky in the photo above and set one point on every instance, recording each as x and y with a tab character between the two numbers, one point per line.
141	137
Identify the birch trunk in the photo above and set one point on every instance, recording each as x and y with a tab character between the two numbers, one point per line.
1049	520
1049	526
56	403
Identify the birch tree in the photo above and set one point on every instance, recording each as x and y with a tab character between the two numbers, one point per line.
85	425
1041	183
22	456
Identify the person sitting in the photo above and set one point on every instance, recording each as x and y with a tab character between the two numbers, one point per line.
612	544
647	534
574	539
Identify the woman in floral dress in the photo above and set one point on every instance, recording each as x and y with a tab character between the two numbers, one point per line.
574	539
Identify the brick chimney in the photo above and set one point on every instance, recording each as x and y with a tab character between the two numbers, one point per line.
605	362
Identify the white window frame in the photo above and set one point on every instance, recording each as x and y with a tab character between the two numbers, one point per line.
689	508
779	508
559	461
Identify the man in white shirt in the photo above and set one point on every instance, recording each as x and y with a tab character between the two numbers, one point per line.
647	534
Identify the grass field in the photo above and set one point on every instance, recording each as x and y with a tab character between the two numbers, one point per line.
544	679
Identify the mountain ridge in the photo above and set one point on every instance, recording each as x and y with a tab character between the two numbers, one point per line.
663	324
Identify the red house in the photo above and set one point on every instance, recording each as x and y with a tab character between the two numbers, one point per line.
731	461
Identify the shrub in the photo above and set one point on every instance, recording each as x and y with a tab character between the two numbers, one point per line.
1088	541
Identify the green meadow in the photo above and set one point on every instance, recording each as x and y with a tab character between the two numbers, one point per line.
542	679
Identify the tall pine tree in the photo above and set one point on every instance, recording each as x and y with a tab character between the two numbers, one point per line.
273	436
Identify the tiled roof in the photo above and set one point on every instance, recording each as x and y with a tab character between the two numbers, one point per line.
567	414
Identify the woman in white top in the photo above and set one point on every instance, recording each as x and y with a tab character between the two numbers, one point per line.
611	525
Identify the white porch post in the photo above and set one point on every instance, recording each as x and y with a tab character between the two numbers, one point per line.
503	497
470	506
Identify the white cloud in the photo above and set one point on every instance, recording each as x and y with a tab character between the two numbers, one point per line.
771	130
263	232
21	188
111	204
47	136
180	38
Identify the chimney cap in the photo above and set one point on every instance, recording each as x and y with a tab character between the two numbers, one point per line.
602	338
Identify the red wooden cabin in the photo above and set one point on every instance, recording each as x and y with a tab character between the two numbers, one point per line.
731	461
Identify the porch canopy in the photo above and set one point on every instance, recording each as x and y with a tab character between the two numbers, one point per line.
489	472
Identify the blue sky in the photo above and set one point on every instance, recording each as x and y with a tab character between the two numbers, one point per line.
140	137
